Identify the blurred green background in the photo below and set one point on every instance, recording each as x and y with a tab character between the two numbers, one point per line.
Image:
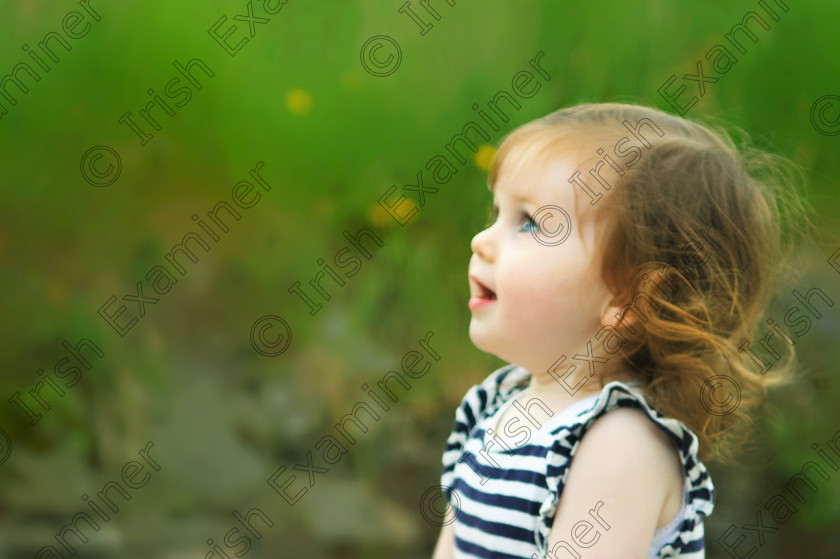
333	138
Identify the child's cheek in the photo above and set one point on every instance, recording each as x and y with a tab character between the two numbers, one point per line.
533	299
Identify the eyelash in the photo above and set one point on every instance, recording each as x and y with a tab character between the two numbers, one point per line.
523	216
528	220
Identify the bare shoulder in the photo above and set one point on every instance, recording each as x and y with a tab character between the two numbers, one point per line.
625	446
624	429
628	473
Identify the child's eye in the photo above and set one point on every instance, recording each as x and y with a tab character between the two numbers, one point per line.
528	224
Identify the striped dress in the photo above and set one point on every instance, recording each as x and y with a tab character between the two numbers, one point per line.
504	498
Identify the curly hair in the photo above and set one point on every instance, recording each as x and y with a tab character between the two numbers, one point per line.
697	229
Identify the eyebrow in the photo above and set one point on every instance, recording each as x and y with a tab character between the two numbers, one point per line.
516	198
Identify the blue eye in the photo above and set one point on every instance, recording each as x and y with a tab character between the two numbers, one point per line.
528	224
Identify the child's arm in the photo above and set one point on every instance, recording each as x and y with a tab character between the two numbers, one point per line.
445	548
629	466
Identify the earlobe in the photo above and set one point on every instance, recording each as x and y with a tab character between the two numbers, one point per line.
608	317
612	317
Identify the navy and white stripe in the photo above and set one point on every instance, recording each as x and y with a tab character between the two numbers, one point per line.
506	501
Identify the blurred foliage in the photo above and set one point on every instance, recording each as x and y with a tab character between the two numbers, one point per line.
333	139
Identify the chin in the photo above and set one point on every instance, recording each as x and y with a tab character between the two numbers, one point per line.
477	342
488	346
480	341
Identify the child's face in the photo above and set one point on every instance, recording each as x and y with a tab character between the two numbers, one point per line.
549	300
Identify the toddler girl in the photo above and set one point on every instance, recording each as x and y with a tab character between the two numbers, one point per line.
631	258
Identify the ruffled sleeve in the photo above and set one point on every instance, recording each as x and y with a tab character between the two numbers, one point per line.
480	399
698	490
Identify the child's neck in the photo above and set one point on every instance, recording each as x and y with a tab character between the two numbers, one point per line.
574	387
556	395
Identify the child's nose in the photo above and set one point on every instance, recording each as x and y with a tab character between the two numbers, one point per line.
482	245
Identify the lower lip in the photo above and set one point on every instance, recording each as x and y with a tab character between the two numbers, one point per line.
478	302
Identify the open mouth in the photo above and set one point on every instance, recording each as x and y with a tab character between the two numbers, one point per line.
485	293
481	294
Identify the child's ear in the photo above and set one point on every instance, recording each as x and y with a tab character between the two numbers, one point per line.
611	316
